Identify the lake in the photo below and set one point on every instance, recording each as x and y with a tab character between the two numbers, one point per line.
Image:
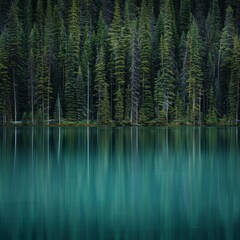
120	183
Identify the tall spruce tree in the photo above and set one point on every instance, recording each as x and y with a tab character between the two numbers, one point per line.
80	101
70	85
234	85
164	86
44	88
103	105
195	75
14	33
117	47
5	86
146	111
226	51
135	75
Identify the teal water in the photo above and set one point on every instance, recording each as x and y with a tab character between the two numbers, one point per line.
120	183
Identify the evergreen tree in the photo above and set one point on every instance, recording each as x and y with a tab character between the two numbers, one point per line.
164	86
40	22
103	105
234	85
80	96
184	16
226	51
13	34
195	75
74	31
146	112
117	47
135	75
44	87
58	112
60	43
183	56
213	29
5	87
212	113
70	86
179	110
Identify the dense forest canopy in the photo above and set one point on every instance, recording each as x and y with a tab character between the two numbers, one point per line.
122	61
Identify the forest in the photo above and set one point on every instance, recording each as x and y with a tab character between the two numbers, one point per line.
120	62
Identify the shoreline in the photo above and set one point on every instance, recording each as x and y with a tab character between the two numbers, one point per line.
125	124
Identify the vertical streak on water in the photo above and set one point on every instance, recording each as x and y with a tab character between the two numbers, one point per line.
5	144
199	146
237	137
32	138
59	143
48	158
88	164
133	156
167	155
15	147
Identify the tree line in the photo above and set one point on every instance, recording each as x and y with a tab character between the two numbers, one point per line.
122	61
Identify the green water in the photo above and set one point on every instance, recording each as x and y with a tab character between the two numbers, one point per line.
120	183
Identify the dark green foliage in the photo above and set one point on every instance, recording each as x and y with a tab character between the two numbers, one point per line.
146	112
58	113
44	87
226	51
5	105
194	75
133	61
70	86
14	44
184	16
234	85
135	76
80	96
103	105
116	35
212	111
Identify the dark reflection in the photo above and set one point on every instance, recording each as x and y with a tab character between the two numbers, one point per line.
119	183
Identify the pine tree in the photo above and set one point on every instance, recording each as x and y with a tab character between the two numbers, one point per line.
165	83
213	29
49	34
183	56
34	60
179	110
60	43
70	86
80	96
117	47
103	105
184	16
226	51
234	85
212	113
58	112
5	87
127	59
135	75
164	86
74	31
40	22
13	34
146	112
195	75
44	87
32	81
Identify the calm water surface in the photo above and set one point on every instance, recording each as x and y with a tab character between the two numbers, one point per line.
120	183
